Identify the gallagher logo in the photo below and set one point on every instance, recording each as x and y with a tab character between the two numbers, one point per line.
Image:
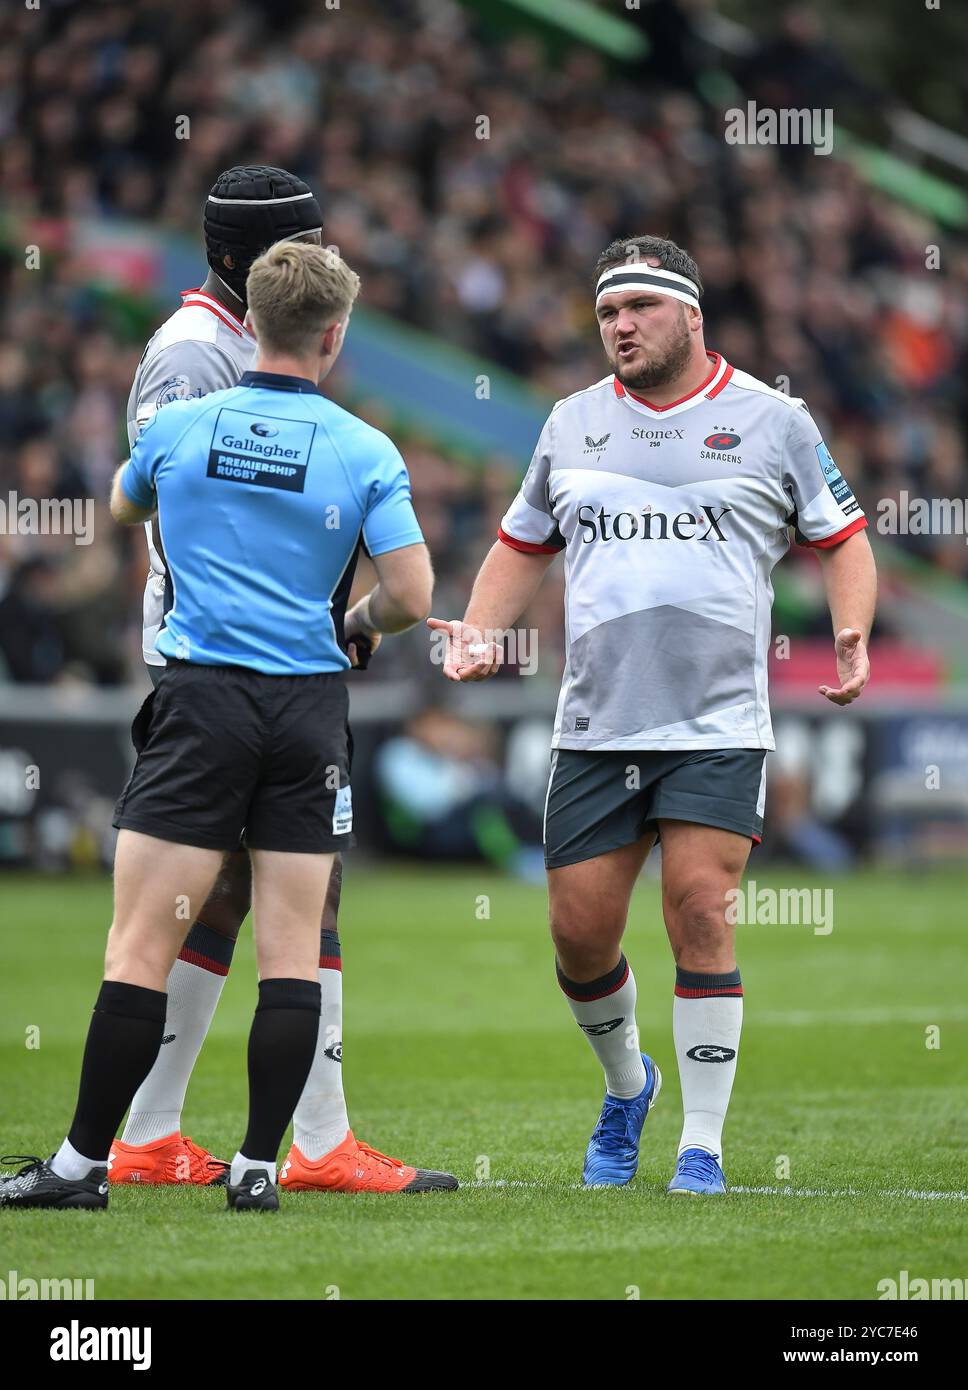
263	431
722	439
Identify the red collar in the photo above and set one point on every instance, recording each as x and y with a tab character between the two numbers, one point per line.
197	299
718	366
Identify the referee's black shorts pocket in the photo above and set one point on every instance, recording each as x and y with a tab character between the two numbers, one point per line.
142	722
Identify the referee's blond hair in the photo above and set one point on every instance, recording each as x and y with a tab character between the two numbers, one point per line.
296	291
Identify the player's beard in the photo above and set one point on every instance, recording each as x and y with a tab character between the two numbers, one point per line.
661	368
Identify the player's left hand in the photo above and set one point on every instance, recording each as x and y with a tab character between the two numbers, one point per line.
853	667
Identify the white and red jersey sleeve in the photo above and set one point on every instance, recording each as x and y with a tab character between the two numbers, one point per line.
825	510
529	524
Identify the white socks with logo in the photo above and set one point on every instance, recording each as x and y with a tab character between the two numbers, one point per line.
604	1010
707	1018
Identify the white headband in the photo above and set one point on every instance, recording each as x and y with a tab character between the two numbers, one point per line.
650	277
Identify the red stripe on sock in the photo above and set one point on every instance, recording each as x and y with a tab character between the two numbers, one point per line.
203	962
590	998
330	963
683	993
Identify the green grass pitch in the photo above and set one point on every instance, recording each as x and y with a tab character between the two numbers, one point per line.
460	1053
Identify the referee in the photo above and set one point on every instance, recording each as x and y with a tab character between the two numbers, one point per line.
265	494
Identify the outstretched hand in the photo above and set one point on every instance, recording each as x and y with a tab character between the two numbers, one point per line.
467	657
853	667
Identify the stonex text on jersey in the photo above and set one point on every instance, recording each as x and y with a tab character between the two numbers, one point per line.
265	493
672	519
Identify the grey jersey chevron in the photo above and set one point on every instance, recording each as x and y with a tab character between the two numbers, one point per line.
671	521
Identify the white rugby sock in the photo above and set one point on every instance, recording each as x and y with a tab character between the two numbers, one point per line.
320	1121
707	1018
68	1163
604	1010
194	988
242	1165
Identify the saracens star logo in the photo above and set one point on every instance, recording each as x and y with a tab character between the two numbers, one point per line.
722	439
710	1052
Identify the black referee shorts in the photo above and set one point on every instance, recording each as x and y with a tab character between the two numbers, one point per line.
228	756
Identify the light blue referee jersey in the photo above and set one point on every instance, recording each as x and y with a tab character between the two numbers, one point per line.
265	494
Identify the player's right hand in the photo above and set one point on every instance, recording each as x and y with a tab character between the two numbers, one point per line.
467	657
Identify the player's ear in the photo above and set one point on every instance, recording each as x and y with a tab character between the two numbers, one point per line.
248	323
228	262
332	339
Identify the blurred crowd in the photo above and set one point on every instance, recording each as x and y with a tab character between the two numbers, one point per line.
471	179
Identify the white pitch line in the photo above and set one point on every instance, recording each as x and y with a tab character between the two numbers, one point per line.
509	1182
908	1193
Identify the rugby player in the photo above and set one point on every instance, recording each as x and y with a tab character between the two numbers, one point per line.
206	346
247	728
672	486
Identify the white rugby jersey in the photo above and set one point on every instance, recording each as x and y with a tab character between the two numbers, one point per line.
672	519
203	347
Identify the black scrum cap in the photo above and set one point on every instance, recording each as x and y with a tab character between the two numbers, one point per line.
249	208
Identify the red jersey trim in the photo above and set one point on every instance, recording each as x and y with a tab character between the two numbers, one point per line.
526	547
194	299
711	395
717	362
838	536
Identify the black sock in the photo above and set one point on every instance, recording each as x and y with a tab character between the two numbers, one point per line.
282	1045
122	1044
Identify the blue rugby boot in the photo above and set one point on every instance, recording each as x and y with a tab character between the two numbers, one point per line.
697	1172
612	1155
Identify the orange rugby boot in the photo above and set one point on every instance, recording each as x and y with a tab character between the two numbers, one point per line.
355	1167
173	1159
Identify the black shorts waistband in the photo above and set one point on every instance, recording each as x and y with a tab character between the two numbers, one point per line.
175	663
